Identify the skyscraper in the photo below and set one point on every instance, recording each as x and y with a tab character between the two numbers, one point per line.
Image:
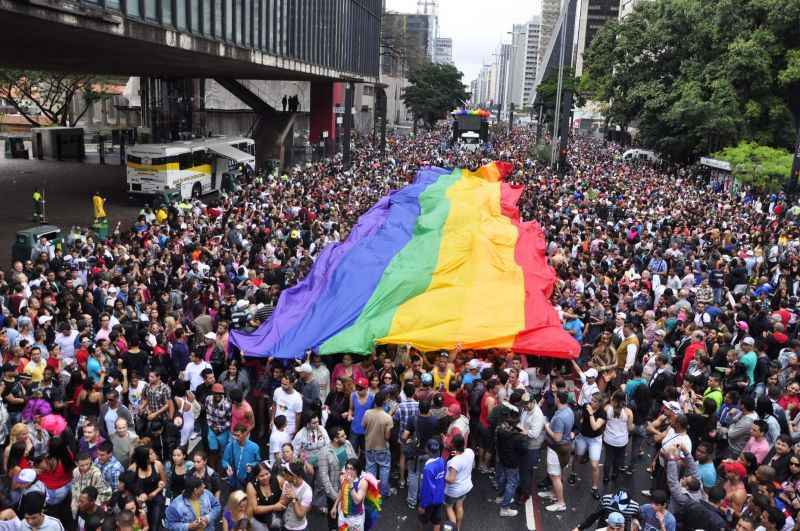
443	51
532	52
593	15
551	9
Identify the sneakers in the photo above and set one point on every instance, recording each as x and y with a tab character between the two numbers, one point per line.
548	494
498	500
557	507
545	483
646	493
508	512
573	478
402	483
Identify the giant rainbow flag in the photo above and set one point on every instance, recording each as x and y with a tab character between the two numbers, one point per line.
443	262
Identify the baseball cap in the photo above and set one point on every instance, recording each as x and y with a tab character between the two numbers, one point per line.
210	335
426	378
444	354
672	406
621	315
591	373
473	364
615	519
749	341
735	467
362	382
27	475
45	319
305	367
217	388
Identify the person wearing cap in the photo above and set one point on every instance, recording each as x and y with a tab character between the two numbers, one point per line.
588	384
432	486
307	385
473	372
749	358
360	401
458	425
24	482
618	502
218	418
675	435
441	372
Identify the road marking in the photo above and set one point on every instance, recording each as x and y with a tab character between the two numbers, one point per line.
529	518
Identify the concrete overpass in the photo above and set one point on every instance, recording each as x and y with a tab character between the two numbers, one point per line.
320	41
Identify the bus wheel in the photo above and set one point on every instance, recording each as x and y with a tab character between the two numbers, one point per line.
197	191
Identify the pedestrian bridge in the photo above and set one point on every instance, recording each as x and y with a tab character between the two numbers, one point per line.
312	40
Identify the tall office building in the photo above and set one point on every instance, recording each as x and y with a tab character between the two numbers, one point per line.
593	15
502	69
407	38
443	51
551	9
532	52
516	70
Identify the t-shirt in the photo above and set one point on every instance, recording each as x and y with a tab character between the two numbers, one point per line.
708	474
135	396
276	440
749	361
67	344
462	464
586	425
650	521
303	494
431	490
192	373
288	405
760	449
562	422
377	424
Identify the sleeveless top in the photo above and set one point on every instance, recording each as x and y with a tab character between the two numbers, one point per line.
187	427
616	432
349	507
262	500
358	412
484	417
89	409
177	482
148	484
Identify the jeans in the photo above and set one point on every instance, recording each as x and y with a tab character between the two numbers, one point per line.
378	464
413	465
357	440
615	458
637	438
529	460
507	481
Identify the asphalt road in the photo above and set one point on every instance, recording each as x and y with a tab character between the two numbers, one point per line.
481	514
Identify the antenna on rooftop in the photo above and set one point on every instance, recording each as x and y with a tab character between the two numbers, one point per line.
427	7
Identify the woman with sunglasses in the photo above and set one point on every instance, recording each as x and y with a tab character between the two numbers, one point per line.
790	487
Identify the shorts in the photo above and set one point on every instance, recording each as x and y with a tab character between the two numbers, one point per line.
450	500
593	444
553	465
433	514
487	441
218	441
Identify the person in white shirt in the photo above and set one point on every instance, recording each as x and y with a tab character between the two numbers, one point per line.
289	403
458	482
321	375
588	384
66	340
193	370
532	423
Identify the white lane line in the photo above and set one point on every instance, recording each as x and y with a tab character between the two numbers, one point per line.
529	518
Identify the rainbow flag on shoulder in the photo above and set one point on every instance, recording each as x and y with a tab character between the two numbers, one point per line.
443	262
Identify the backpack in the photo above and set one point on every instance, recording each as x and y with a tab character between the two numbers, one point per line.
477	389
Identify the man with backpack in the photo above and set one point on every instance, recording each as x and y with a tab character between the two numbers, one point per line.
423	428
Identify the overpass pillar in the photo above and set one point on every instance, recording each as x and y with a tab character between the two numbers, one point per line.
322	118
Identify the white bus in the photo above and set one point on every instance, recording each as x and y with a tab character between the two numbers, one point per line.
192	167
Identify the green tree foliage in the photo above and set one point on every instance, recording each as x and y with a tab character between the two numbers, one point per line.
50	94
761	166
547	91
697	75
434	91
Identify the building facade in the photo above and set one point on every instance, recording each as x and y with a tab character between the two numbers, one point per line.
593	15
443	51
407	42
551	9
532	52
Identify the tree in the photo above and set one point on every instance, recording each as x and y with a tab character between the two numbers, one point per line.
761	166
434	91
50	94
698	75
547	90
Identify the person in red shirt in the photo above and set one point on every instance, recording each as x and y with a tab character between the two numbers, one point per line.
698	343
791	399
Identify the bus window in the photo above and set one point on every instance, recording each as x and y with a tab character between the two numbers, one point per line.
200	158
185	161
134	159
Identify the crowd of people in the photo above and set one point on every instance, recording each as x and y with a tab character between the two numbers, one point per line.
125	407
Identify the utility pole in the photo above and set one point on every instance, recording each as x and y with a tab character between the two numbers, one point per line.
795	175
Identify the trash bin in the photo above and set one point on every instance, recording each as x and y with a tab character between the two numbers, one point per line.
101	229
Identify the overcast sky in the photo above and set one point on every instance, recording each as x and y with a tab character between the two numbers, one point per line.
476	26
